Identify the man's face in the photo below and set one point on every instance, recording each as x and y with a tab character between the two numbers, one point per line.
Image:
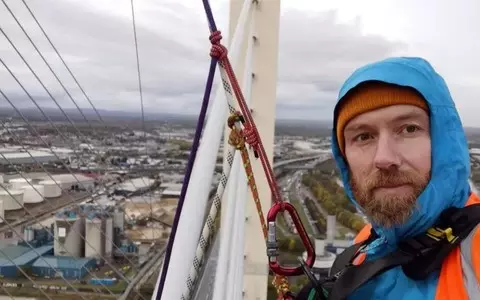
388	152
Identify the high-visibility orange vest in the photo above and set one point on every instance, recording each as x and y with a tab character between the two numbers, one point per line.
451	284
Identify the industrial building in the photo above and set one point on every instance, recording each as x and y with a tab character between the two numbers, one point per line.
88	230
69	229
172	190
133	185
15	156
58	266
13	257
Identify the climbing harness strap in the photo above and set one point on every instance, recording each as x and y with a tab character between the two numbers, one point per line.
418	256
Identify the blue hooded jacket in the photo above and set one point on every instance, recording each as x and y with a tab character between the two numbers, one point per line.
450	171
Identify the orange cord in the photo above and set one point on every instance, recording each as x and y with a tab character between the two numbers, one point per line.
237	140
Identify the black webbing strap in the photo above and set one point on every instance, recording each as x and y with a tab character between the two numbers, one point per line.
418	256
454	226
345	258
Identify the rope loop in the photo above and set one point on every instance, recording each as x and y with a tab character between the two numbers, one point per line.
217	51
235	117
236	139
252	138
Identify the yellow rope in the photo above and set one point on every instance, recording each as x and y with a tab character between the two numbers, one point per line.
237	140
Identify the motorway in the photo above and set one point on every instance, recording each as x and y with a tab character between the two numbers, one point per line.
296	190
304	192
294	187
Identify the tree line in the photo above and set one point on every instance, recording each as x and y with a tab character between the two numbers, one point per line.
333	199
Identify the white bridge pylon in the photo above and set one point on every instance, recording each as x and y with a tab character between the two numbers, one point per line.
258	64
242	271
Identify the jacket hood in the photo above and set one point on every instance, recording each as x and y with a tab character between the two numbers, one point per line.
449	185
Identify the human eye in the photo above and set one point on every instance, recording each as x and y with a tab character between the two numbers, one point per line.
362	137
410	128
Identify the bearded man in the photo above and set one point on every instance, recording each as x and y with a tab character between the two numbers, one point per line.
403	156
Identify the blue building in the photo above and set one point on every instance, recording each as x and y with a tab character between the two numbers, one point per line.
13	258
58	266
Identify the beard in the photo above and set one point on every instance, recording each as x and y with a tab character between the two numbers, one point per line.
388	210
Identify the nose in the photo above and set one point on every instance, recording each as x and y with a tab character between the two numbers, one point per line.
386	156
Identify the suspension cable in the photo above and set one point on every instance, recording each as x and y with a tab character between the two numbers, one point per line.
50	67
82	236
64	64
62	60
133	265
41	110
42	84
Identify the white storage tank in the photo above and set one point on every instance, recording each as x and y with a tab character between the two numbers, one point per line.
51	189
12	199
33	193
69	231
18	183
94	245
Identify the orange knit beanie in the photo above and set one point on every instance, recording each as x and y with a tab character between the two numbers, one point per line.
370	96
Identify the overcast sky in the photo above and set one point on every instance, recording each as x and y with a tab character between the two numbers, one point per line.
321	43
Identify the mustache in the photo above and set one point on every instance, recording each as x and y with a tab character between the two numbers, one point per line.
383	178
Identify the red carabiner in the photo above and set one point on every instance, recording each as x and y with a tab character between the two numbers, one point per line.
271	217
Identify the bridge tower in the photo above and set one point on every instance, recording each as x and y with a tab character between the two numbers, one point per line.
266	18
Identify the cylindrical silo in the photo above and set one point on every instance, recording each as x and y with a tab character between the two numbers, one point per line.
25	234
33	194
108	236
28	234
12	199
2	212
69	232
51	189
31	234
94	245
18	183
331	228
119	219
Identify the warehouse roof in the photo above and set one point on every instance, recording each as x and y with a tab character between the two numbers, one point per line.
68	178
24	255
62	262
12	252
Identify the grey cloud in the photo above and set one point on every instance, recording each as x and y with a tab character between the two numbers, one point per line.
316	54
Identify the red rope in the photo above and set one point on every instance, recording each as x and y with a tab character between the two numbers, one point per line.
218	51
252	137
250	131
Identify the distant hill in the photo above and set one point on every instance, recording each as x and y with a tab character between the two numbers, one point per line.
283	127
